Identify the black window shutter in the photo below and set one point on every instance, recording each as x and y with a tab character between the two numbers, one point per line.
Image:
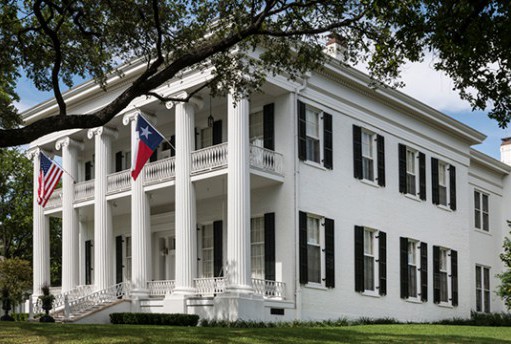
269	126
454	277
424	272
403	253
173	145
357	152
302	133
382	261
88	262
304	278
217	249
329	253
154	156
434	181
118	259
328	161
402	168
118	161
269	246
422	176
380	148
88	170
436	274
359	258
452	187
217	132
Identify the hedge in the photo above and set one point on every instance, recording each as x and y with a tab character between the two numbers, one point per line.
154	319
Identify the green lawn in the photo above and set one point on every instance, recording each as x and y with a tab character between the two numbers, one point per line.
20	332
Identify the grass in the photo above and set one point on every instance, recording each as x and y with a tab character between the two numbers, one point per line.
22	332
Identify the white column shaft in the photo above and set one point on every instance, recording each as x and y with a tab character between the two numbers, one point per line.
102	214
70	248
140	228
238	196
41	238
186	231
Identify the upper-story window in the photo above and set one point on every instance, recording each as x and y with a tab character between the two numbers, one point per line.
412	172
445	276
368	155
256	129
316	250
370	261
315	141
209	136
89	170
481	211
443	179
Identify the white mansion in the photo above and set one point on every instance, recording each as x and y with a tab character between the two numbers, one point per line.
317	199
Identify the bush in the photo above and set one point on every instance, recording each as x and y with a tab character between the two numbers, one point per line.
480	319
261	324
154	319
20	316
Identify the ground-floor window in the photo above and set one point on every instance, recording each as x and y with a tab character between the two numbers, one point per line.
482	289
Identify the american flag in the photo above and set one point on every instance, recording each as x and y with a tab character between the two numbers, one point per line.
49	176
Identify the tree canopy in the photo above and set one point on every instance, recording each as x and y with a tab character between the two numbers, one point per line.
53	40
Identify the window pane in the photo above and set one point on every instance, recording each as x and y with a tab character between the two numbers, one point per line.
312	125
479	306
312	230
477	218
369	273
367	168
477	200
478	277
485	203
486	222
487	301
412	281
314	263
410	184
207	251
412	253
257	247
442	193
312	146
410	162
367	147
443	260
441	174
486	278
443	287
256	129
368	242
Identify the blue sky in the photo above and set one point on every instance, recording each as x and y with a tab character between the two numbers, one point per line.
422	82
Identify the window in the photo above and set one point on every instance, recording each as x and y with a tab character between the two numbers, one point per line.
481	216
315	136
314	249
312	131
412	172
206	137
367	156
127	270
482	289
412	269
207	251
317	250
256	129
445	276
89	170
411	180
443	179
257	247
370	260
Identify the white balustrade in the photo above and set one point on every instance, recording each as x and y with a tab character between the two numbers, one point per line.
58	303
84	191
209	286
119	181
209	158
55	200
159	171
108	295
266	159
160	288
269	289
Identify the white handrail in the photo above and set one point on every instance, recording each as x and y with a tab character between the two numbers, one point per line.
58	302
209	286
99	297
84	190
209	158
119	181
159	171
266	159
161	288
55	200
269	289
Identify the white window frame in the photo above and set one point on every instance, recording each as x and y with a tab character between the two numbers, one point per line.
128	254
443	167
375	244
202	263
417	258
256	122
414	156
483	290
321	246
372	157
481	212
319	138
253	244
447	271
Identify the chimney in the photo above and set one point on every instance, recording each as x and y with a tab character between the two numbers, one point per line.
335	46
505	150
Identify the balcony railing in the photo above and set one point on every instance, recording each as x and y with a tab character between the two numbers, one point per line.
160	171
55	200
160	288
209	286
270	289
84	191
266	159
209	158
118	182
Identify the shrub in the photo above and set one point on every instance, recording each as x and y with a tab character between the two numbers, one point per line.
154	319
20	316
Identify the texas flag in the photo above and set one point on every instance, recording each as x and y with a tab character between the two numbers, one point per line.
148	140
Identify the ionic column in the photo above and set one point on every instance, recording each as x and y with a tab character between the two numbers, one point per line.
140	222
41	234
238	197
70	243
103	236
186	223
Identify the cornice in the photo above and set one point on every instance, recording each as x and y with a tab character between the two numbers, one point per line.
489	162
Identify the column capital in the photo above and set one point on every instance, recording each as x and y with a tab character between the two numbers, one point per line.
132	115
98	131
68	142
196	101
33	152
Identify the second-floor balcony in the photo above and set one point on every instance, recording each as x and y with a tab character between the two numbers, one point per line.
204	160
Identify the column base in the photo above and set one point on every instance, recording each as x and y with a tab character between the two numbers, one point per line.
232	306
139	293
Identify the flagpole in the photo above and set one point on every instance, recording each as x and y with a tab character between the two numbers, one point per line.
164	138
56	163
